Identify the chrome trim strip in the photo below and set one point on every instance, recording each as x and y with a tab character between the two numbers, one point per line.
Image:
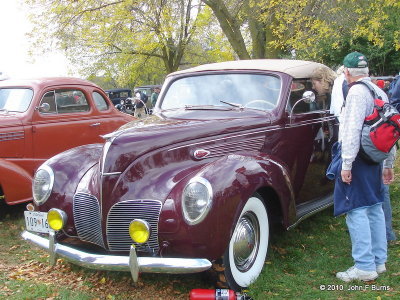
121	263
308	122
106	147
224	138
309	214
111	173
10	136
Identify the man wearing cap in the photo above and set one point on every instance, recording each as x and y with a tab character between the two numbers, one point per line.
359	186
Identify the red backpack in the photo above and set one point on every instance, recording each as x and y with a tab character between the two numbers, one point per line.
381	129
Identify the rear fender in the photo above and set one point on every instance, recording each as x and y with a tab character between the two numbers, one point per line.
15	182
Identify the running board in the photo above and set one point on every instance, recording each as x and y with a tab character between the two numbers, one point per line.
306	210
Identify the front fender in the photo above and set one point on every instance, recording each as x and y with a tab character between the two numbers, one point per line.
15	182
69	167
234	179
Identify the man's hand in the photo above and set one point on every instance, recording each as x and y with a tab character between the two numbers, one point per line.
346	176
388	176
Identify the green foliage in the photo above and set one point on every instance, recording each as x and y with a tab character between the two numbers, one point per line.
318	30
128	42
326	31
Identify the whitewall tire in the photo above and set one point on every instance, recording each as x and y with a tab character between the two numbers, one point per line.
245	256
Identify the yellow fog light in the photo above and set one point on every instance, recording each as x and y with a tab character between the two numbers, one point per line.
56	219
139	231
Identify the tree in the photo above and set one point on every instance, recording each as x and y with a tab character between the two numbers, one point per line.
246	31
326	31
318	30
123	38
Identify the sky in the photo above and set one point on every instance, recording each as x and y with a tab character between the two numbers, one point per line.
15	61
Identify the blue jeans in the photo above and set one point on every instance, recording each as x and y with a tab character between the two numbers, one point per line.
387	210
367	232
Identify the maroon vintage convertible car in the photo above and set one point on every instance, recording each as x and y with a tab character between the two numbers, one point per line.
232	147
42	117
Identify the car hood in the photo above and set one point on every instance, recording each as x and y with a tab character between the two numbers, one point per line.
142	136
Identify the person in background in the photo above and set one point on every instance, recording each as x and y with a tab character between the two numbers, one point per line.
322	79
380	83
394	92
154	96
394	99
140	104
358	186
339	92
386	206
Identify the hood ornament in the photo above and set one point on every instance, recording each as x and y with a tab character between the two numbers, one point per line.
201	154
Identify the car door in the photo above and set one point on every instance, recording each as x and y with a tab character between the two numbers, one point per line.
64	119
309	137
108	117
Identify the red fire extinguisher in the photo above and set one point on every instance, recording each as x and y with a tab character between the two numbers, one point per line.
218	294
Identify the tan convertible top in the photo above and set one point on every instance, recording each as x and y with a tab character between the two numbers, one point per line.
295	68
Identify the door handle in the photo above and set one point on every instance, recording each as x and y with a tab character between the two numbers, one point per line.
95	124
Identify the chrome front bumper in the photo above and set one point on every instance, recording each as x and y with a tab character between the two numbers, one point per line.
130	263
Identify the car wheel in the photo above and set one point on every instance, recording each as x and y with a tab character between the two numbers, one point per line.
2	205
245	255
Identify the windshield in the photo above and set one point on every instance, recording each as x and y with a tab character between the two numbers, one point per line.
241	90
15	99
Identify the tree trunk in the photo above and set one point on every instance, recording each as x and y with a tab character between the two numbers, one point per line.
230	27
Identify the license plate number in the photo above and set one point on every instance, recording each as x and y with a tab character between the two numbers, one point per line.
36	221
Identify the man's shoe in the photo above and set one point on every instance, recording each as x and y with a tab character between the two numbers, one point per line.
356	274
380	269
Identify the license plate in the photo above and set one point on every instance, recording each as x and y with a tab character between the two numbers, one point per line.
36	221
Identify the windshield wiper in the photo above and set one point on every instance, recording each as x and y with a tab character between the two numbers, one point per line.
232	104
210	107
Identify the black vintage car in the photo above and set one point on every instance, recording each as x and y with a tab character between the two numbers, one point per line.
116	95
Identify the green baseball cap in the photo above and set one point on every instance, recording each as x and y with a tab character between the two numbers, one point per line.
355	60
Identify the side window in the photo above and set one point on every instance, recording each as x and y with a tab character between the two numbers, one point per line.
297	89
48	104
99	101
71	101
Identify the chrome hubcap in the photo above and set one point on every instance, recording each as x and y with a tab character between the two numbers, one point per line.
246	240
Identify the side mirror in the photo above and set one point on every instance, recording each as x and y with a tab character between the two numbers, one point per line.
45	107
308	97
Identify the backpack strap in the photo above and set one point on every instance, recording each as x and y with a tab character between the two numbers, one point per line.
371	89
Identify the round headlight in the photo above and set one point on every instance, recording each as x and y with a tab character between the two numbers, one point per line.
196	200
122	102
56	219
139	230
42	184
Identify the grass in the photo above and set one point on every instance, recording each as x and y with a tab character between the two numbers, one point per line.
301	263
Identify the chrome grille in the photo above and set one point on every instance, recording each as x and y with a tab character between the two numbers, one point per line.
248	144
121	215
87	218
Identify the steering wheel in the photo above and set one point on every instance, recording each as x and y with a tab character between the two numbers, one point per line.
263	102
